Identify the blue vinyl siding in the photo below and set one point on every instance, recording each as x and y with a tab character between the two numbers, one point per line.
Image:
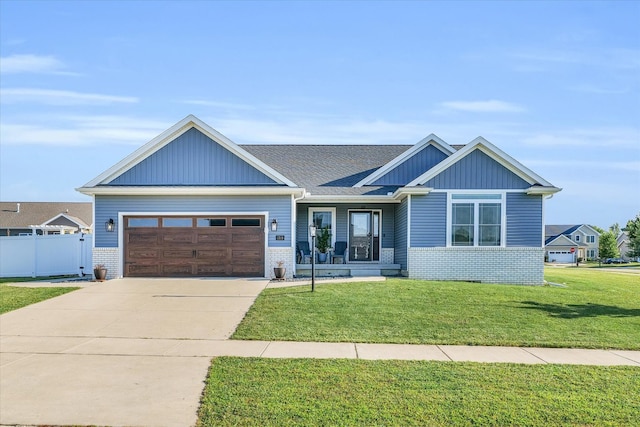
413	167
477	171
429	220
342	220
400	252
193	159
279	207
524	220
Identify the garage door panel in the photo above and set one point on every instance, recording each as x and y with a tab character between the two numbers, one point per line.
143	270
142	237
143	253
173	253
215	239
212	254
210	247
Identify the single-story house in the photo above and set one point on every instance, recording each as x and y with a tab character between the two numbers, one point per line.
25	218
566	243
191	202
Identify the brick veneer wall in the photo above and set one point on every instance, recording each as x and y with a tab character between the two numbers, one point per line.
279	254
108	257
522	266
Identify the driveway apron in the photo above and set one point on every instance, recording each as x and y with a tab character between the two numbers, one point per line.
109	354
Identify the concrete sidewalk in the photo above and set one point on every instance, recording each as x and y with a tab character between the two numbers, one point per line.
18	347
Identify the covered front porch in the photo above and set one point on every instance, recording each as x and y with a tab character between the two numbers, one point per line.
349	270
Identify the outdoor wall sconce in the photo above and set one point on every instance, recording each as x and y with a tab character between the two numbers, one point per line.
110	225
274	225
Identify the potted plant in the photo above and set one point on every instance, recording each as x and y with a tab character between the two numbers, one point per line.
280	270
323	243
100	272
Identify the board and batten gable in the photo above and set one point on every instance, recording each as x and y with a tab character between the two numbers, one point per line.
477	171
412	167
192	159
277	206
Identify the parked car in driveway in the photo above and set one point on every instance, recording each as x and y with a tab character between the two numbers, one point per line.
615	261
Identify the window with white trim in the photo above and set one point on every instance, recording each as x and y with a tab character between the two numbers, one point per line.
577	237
476	219
591	239
324	218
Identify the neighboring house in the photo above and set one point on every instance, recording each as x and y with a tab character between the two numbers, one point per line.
193	203
24	218
624	245
563	243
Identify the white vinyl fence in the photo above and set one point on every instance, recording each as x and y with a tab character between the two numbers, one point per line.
48	255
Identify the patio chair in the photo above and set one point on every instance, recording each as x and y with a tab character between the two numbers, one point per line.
339	253
304	253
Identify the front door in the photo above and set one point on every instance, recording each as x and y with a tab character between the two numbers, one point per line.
364	235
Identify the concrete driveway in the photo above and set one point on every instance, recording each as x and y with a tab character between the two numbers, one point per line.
124	352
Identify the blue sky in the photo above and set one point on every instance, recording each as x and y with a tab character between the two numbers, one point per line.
554	84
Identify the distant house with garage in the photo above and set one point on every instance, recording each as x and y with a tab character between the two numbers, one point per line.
566	243
24	218
191	203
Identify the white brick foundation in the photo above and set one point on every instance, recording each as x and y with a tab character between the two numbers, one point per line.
109	257
387	256
522	266
279	254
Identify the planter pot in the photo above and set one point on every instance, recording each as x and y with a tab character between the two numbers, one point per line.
100	274
279	272
322	257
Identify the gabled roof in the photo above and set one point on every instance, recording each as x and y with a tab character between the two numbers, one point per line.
555	230
429	140
41	213
74	219
171	134
329	169
539	184
560	240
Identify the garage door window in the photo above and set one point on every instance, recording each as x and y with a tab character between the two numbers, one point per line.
143	222
212	222
245	222
177	222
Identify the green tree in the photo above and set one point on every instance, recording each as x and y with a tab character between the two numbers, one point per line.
608	245
633	228
615	229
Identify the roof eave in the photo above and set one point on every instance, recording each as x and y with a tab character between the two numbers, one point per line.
189	191
542	190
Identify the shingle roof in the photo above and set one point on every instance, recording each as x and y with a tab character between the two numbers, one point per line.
329	169
556	230
36	213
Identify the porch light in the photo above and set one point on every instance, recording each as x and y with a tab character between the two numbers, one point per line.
274	225
110	225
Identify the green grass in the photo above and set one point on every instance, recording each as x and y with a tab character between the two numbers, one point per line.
12	297
31	279
287	392
597	309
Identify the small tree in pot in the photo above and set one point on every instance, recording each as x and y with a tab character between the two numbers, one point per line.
100	272
280	270
323	243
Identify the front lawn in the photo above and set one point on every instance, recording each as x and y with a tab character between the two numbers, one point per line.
13	297
596	309
282	392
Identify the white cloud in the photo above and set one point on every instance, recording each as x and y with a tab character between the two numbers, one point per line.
59	97
14	64
82	131
218	104
490	106
617	138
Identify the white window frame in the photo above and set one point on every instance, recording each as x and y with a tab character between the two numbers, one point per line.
332	210
591	238
476	197
577	237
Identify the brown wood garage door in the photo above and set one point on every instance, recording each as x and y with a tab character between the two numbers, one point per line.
211	246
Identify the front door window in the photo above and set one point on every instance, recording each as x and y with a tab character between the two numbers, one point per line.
364	235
